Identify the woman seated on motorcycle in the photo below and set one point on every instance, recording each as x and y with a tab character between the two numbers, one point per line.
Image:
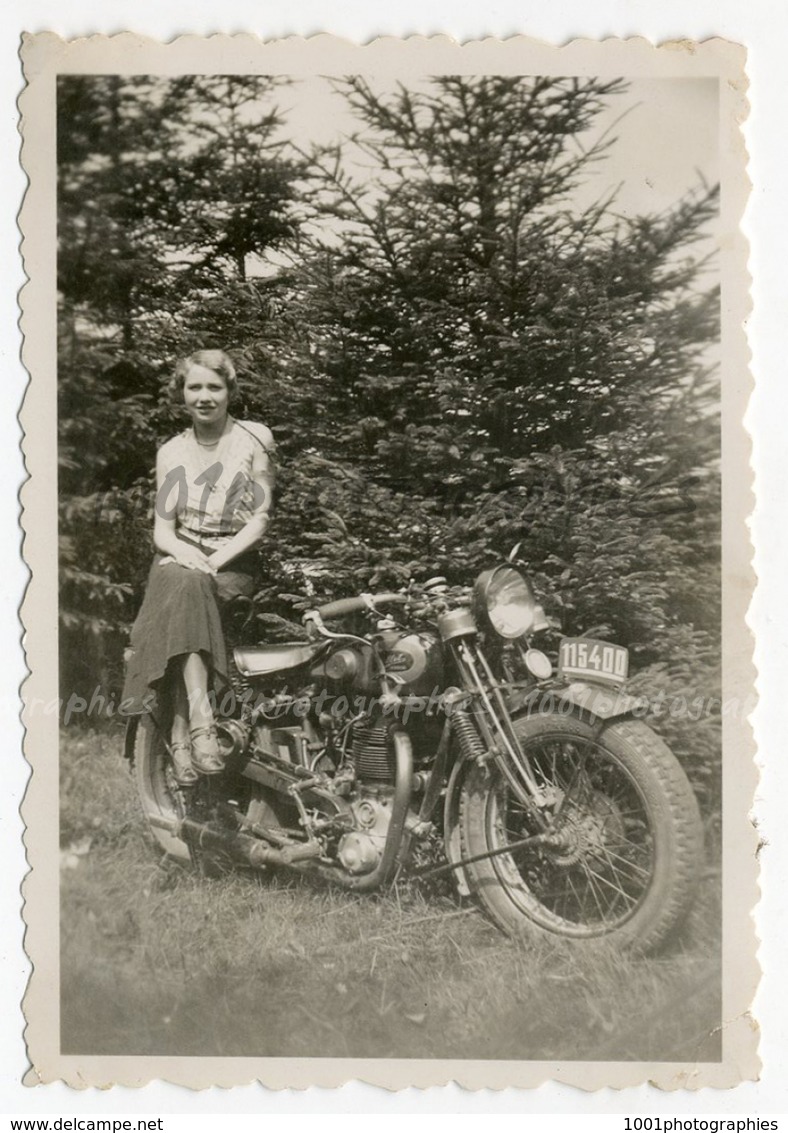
213	494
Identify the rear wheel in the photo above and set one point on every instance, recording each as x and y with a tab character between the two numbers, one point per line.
161	799
621	854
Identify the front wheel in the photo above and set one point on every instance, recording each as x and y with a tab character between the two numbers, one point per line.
620	855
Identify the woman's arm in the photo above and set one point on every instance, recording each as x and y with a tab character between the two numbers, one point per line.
165	536
247	538
263	482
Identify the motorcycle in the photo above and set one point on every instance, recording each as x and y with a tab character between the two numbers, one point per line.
430	715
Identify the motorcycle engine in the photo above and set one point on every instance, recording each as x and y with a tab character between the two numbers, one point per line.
361	850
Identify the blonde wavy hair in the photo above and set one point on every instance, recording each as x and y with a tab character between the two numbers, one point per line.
215	360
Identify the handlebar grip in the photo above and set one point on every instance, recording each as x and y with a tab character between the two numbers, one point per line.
344	606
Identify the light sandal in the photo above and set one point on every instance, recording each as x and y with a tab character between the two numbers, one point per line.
181	756
206	756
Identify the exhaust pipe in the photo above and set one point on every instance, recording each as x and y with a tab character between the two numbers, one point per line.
252	851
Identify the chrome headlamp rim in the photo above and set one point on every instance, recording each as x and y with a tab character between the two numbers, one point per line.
504	602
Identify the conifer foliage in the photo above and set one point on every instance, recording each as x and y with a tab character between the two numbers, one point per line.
167	191
454	355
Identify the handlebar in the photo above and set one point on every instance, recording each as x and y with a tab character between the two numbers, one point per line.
344	606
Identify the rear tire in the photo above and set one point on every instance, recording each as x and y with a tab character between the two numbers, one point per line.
625	838
161	799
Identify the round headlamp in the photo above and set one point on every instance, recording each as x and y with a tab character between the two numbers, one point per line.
505	601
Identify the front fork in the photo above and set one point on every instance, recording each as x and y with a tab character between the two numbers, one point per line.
495	726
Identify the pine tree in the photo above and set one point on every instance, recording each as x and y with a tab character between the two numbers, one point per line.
169	189
494	365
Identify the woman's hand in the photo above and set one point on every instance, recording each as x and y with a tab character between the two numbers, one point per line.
190	557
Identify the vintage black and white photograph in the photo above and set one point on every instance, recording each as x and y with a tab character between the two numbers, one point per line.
392	708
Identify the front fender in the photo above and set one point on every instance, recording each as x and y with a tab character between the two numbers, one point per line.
597	703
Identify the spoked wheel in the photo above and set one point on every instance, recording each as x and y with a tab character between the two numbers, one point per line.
619	849
163	801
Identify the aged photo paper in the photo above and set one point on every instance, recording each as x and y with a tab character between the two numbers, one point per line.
480	309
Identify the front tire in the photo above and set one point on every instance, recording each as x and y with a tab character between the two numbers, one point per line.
624	841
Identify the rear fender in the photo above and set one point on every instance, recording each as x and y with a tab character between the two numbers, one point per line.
130	739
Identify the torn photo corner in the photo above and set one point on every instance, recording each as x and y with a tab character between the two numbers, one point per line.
387	502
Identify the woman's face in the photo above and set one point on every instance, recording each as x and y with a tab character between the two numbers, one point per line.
205	395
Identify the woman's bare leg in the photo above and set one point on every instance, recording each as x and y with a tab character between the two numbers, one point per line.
206	756
180	708
185	774
195	681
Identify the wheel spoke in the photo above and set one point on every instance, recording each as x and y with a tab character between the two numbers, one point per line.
597	867
570	786
617	893
592	888
616	888
578	899
629	864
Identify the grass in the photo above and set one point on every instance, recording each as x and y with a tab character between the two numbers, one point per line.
160	960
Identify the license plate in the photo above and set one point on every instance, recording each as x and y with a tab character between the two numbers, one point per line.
593	660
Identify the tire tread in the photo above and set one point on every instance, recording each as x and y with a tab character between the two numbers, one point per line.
671	782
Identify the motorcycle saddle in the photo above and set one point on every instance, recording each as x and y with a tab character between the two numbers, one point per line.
260	660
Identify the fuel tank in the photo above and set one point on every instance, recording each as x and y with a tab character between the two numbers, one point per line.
417	660
414	658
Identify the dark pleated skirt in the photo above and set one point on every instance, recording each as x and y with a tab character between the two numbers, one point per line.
180	614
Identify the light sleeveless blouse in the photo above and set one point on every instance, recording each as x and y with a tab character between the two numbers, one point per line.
212	491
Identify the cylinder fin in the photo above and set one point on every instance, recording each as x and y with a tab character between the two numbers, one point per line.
371	750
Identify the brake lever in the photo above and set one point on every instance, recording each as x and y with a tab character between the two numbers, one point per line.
313	617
